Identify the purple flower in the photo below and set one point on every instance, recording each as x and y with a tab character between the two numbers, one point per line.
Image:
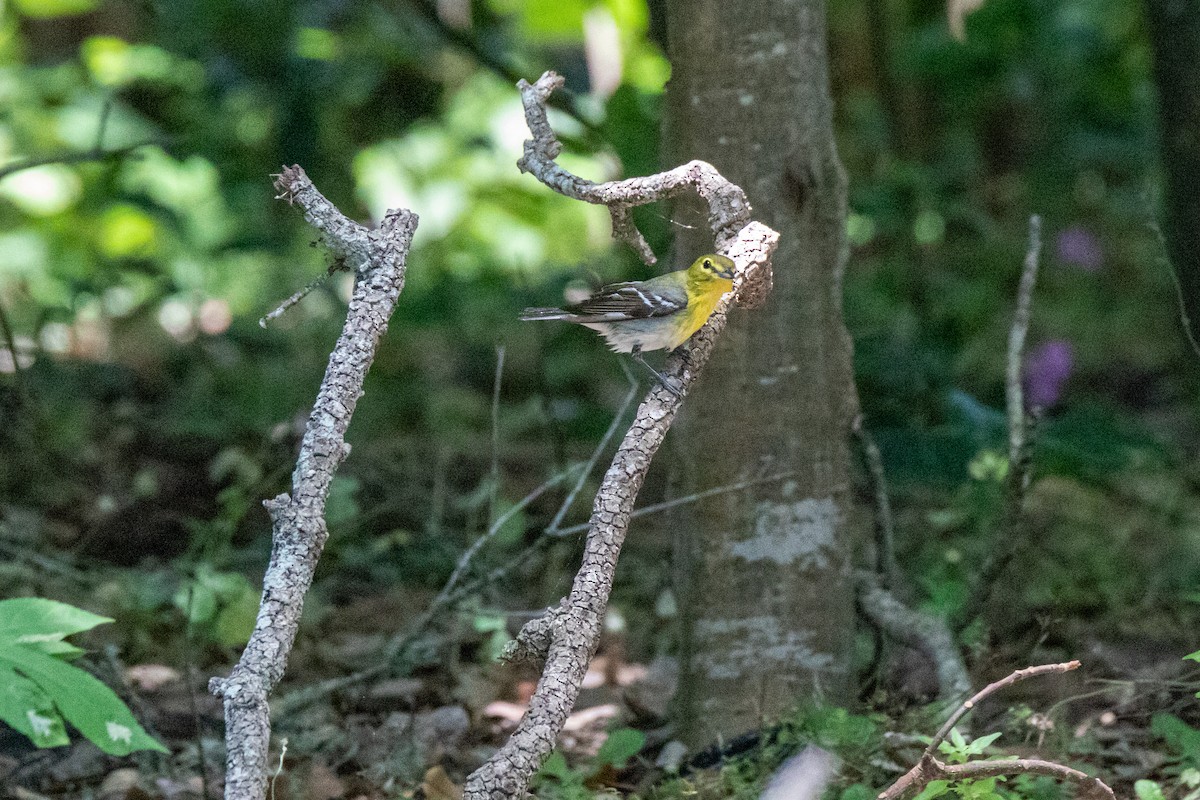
1079	247
1047	368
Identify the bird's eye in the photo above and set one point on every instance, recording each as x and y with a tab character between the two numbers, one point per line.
708	264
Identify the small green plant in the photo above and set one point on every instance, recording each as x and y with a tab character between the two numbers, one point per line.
1188	787
1193	657
958	750
220	605
558	780
38	689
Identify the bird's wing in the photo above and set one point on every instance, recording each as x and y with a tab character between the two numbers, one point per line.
634	300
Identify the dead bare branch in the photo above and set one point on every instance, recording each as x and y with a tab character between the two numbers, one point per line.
929	768
566	636
378	258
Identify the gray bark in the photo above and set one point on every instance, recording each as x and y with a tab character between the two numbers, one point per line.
378	258
764	575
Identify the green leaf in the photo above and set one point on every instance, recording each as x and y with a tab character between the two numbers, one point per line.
979	789
857	791
1178	734
225	585
933	789
983	742
236	621
556	766
1193	656
29	620
64	650
86	703
197	600
28	710
620	746
46	9
1148	790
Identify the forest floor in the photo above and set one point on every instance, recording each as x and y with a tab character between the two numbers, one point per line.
1126	716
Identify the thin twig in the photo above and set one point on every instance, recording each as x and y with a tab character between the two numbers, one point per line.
54	566
967	705
494	488
465	559
1020	443
885	524
553	528
300	294
101	129
566	102
1014	394
11	341
655	508
78	157
1165	259
189	663
292	702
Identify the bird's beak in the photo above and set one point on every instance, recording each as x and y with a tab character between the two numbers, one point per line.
727	274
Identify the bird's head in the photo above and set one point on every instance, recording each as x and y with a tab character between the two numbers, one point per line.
711	267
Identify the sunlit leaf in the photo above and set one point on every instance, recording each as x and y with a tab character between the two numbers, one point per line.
27	620
1148	790
127	232
48	9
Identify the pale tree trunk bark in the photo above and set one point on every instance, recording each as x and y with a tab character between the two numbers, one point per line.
764	575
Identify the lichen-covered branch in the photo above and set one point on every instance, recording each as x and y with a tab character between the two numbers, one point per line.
929	768
566	636
378	259
728	209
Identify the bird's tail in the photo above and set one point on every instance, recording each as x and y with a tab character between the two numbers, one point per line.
545	313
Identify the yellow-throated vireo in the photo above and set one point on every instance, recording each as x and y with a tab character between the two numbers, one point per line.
663	312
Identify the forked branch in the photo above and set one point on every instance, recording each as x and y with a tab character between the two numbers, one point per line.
929	768
566	636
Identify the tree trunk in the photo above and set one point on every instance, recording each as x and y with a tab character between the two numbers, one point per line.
1175	38
764	574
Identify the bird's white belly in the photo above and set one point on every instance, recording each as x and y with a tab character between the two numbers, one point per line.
645	334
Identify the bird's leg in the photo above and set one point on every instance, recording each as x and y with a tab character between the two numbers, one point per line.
636	352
